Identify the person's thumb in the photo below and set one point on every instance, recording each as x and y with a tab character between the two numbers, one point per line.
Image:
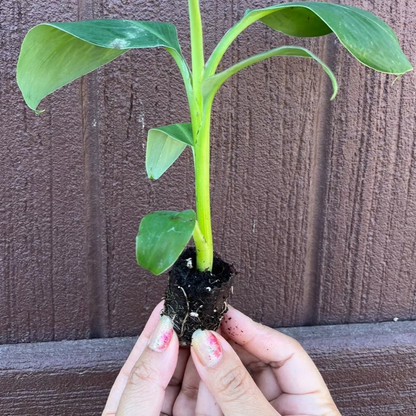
145	389
226	377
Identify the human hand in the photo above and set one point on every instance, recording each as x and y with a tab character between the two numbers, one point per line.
284	380
143	382
159	378
156	380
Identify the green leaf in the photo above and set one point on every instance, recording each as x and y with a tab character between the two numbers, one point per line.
366	37
54	54
162	237
211	85
164	146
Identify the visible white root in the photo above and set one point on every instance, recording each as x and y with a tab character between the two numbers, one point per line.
225	307
187	311
189	263
195	314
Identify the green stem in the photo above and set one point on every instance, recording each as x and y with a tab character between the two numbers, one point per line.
228	39
205	254
198	238
197	47
200	126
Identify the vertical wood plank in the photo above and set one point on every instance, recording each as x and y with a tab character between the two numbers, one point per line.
368	261
43	283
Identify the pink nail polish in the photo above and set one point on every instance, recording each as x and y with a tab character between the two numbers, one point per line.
162	334
207	347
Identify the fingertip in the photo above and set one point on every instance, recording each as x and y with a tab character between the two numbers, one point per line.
207	347
256	338
139	348
162	334
225	376
174	344
237	326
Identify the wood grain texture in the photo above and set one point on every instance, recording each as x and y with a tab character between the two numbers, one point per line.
367	266
43	279
313	202
370	370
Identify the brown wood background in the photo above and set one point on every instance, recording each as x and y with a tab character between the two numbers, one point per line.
313	201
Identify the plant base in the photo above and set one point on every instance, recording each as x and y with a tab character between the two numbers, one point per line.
197	300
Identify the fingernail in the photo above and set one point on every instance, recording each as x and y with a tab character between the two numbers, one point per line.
207	347
162	334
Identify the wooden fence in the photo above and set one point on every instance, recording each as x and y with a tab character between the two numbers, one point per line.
314	202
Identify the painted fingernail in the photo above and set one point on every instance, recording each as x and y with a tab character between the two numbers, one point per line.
207	347
162	334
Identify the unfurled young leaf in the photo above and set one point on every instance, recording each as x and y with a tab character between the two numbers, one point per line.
54	54
164	146
211	84
162	237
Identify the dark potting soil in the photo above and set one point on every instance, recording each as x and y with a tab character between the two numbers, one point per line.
197	300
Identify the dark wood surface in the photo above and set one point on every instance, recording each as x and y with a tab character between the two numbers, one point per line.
367	267
313	201
370	370
43	273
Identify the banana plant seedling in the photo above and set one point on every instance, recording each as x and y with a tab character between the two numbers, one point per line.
55	54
